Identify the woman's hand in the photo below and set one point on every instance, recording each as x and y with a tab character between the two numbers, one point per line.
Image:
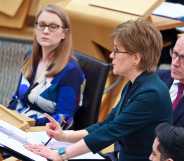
54	129
44	151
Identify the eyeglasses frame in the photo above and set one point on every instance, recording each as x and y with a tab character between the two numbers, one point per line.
115	51
175	55
48	26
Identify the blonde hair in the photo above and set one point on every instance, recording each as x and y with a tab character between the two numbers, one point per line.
142	37
61	54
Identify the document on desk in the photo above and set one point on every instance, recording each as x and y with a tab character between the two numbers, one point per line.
14	139
53	144
170	10
42	137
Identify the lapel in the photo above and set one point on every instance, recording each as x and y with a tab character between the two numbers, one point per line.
169	82
165	76
179	110
125	99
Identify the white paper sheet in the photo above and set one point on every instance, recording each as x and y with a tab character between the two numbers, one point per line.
12	131
17	146
172	10
15	139
53	144
42	137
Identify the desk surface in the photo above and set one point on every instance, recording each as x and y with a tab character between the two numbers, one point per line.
10	117
89	22
26	33
163	23
17	21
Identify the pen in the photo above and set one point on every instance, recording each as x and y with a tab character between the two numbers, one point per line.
48	141
63	123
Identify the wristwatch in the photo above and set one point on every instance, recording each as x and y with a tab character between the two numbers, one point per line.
62	153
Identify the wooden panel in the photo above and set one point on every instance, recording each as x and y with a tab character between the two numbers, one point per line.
163	23
96	21
26	33
43	3
141	8
37	4
10	7
34	7
18	20
26	119
64	2
12	118
11	159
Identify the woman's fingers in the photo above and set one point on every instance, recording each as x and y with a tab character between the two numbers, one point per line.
50	118
51	126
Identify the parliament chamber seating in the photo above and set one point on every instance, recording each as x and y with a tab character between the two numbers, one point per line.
96	73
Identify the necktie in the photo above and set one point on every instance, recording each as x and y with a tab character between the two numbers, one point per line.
179	95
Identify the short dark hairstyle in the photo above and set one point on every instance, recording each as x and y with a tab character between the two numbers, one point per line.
171	141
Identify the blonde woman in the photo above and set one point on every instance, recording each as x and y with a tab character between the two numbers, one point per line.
51	77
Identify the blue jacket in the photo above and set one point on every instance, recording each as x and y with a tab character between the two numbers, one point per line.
132	122
60	98
178	114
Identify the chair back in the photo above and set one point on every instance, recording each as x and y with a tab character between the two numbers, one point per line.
96	73
11	59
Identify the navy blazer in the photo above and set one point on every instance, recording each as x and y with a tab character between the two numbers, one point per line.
178	115
132	122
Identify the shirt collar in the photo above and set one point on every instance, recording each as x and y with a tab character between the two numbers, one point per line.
176	82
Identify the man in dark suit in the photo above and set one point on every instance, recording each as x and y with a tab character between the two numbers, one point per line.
174	79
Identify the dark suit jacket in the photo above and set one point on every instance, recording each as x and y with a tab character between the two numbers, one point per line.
133	121
176	1
178	116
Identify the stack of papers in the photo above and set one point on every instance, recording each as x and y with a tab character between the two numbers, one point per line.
53	144
170	10
14	139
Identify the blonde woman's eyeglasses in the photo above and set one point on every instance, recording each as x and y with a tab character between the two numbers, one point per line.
51	27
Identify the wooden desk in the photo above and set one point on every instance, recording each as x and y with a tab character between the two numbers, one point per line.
26	33
17	21
10	117
93	26
163	23
10	7
15	118
20	30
